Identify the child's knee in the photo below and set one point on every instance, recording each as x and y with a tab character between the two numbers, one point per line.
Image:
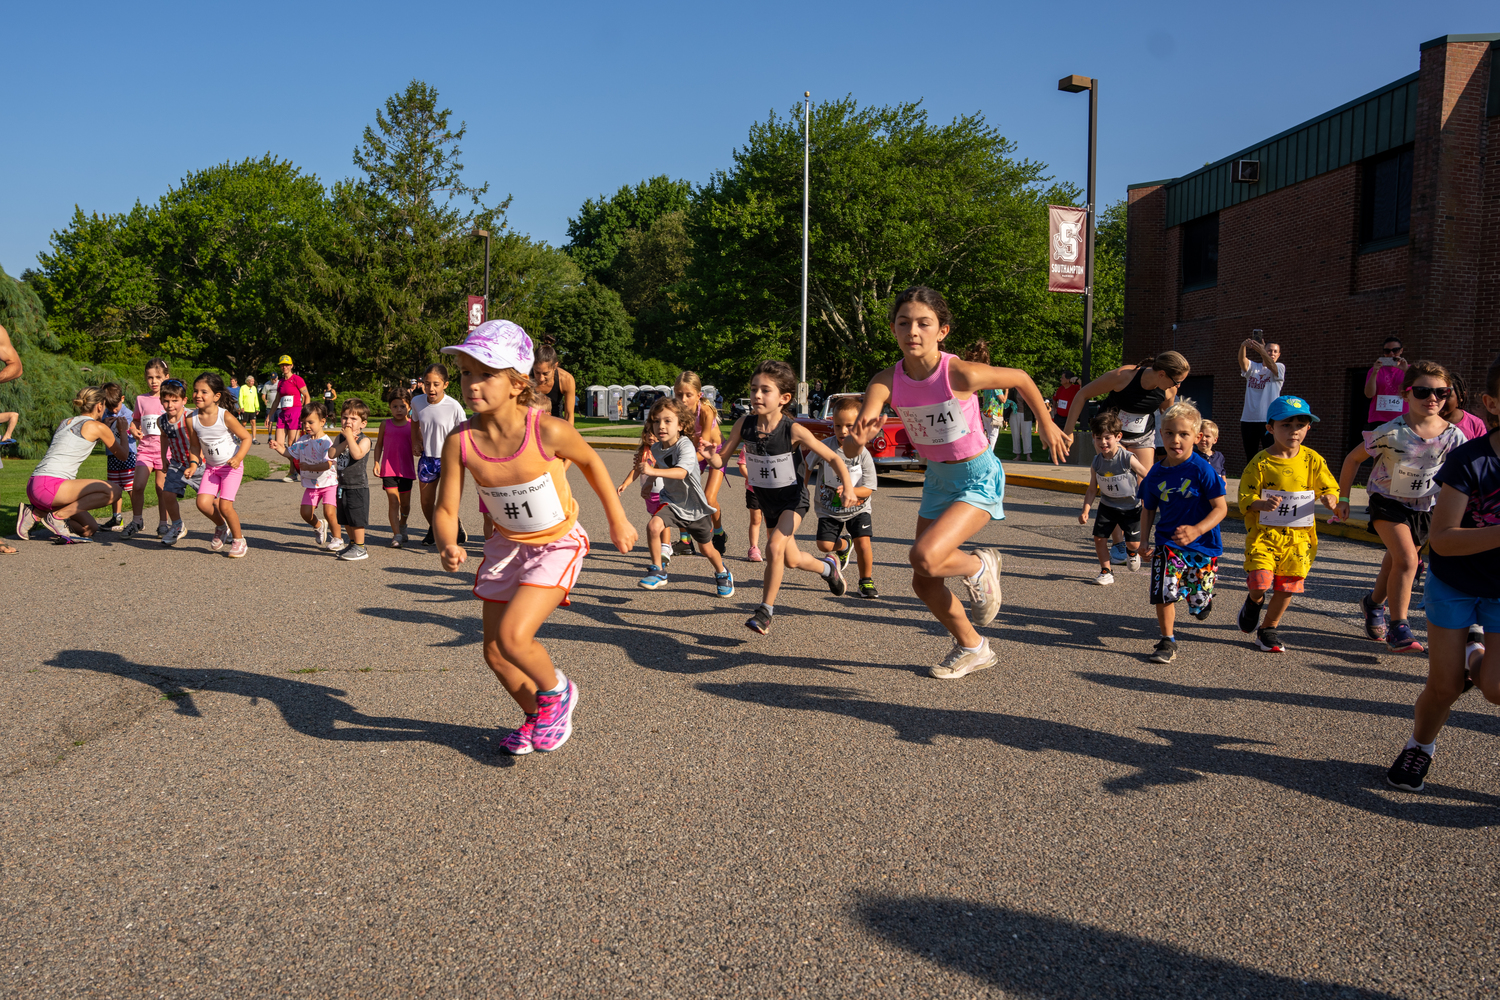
825	545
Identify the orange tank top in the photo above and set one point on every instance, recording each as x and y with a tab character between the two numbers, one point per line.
527	493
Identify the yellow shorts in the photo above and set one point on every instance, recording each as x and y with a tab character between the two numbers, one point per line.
1281	551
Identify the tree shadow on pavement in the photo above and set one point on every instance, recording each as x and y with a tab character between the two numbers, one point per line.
311	709
1185	758
1329	703
1026	954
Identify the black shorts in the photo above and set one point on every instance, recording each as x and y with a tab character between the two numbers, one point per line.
700	531
1383	508
1107	517
752	502
398	483
353	508
777	502
830	528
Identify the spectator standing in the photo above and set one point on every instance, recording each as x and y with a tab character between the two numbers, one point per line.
1383	384
1068	387
250	406
1263	382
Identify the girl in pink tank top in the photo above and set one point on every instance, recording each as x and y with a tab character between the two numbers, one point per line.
394	464
149	462
937	398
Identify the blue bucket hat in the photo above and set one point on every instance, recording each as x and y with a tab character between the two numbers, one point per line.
1285	407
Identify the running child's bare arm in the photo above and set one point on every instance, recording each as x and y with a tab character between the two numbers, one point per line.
970	376
1352	462
731	446
1138	468
871	416
1448	538
445	510
238	430
379	446
1089	495
563	440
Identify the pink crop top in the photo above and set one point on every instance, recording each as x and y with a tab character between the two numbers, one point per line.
941	427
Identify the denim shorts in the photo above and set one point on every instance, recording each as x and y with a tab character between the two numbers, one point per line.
979	482
1449	607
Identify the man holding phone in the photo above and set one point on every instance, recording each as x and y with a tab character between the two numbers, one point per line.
1263	381
1383	384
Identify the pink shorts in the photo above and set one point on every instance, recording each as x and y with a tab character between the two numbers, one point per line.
289	419
41	491
320	495
150	457
482	508
222	481
509	565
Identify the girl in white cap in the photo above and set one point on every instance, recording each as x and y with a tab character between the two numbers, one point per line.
516	454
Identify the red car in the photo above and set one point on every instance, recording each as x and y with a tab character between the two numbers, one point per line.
891	450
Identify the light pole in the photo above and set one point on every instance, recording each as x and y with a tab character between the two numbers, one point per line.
806	160
486	234
1077	84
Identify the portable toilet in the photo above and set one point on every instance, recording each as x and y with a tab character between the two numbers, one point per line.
614	404
625	398
594	399
664	389
711	396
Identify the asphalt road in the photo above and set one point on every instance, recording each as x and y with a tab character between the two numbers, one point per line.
279	777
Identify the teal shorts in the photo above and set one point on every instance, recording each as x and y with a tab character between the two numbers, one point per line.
979	482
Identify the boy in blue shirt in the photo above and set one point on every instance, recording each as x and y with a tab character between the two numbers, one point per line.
1184	498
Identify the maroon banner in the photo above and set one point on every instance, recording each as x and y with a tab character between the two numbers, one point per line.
1066	234
476	310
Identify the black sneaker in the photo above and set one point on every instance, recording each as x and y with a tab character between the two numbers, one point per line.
427	538
721	541
463	536
1203	614
1409	770
114	522
1250	616
835	579
759	622
867	588
1165	652
683	546
1377	620
1267	641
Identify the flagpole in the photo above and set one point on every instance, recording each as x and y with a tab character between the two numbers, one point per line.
806	189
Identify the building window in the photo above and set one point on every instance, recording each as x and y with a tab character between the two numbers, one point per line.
1200	253
1385	202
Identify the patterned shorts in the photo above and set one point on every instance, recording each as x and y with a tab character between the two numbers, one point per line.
1178	575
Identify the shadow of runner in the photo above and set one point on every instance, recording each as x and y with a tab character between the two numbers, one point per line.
311	709
1186	758
1025	954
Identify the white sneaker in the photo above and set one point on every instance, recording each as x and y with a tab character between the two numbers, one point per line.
984	596
175	533
1105	578
220	534
961	662
1134	562
337	545
322	530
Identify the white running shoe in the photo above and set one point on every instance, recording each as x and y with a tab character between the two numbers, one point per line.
961	662
220	533
337	545
322	530
1105	578
984	596
25	521
1134	562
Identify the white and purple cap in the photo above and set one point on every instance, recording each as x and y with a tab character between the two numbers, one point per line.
497	343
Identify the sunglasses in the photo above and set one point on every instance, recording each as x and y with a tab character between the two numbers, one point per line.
1390	350
1424	391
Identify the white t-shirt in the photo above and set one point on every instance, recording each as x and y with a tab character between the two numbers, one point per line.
436	420
1261	390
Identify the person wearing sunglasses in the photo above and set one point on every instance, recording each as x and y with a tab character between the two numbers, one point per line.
1408	452
1383	384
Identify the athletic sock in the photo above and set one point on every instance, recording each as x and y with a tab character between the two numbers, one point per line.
826	571
562	685
975	649
1428	748
666	551
973	581
768	609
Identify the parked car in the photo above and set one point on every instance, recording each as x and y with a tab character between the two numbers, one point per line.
892	450
641	403
739	408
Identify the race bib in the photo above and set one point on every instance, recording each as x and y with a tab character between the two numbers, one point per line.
287	402
1388	404
220	451
1062	404
1292	510
150	423
937	424
1135	423
1412	483
1121	487
770	471
525	507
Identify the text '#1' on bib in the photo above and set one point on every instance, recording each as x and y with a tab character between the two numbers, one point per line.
526	507
771	471
1292	510
1411	482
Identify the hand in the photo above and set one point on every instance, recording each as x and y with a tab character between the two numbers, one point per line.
1340	512
1261	505
235	462
1083	515
1056	442
1148	552
135	432
648	461
1186	534
716	461
1401	363
453	556
1330	501
623	535
619	490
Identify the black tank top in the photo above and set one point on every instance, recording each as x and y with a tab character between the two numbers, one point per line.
1135	398
776	441
556	395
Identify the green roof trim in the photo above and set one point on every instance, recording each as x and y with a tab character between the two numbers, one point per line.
1150	184
1381	120
1445	39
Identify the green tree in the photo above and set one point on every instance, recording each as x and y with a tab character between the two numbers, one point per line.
592	333
595	237
649	274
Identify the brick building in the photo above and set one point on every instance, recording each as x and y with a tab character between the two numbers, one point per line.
1378	218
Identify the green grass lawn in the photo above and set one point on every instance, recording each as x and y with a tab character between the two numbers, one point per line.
13	484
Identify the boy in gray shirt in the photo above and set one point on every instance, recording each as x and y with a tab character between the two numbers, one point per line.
834	518
1114	477
685	508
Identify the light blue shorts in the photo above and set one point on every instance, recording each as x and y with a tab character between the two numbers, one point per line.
1449	607
979	482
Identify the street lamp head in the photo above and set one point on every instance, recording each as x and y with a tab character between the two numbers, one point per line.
482	232
1075	84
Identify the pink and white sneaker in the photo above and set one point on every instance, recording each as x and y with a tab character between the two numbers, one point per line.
754	554
518	743
238	548
554	722
25	520
220	533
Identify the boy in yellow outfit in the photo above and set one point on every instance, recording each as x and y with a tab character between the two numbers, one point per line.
1277	492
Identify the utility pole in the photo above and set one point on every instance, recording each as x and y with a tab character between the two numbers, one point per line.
1077	84
806	190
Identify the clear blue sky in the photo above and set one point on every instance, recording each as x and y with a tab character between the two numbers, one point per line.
109	103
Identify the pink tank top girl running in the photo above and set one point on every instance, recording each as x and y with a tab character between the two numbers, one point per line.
527	493
150	411
395	454
941	427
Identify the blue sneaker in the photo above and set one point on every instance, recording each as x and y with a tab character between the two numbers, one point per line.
656	578
724	583
1117	553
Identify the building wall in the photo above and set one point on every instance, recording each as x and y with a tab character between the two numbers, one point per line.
1289	264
